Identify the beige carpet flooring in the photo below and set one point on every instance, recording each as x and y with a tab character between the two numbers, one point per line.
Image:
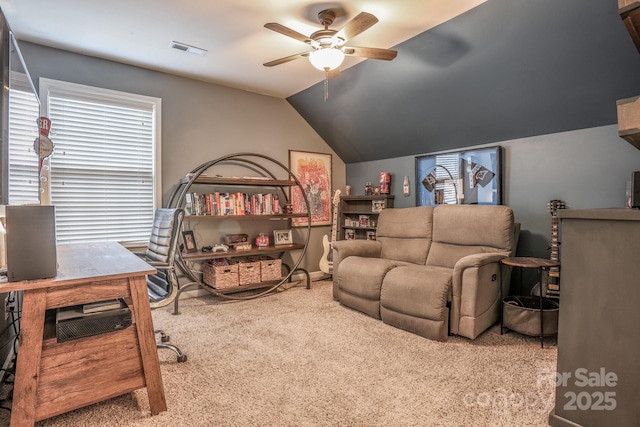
298	358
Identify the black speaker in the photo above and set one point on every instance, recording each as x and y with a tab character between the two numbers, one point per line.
635	189
31	242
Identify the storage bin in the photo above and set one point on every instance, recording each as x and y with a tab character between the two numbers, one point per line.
522	314
270	269
220	275
248	272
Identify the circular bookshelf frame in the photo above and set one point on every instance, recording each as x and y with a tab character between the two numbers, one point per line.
250	161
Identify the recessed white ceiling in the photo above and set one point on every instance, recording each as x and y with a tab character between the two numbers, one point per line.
139	32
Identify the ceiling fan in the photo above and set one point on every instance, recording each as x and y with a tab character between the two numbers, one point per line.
328	45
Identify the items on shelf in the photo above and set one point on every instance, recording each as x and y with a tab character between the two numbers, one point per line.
385	182
359	214
223	203
368	189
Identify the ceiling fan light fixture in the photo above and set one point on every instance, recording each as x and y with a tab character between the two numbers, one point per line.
327	58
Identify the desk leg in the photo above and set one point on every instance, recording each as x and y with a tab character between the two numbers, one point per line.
148	349
23	411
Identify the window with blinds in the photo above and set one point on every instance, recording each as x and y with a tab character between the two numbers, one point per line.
24	110
104	176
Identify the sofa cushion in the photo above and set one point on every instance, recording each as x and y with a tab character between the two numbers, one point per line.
405	233
360	280
461	230
414	298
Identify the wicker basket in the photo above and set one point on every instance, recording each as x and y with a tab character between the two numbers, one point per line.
271	269
248	272
220	276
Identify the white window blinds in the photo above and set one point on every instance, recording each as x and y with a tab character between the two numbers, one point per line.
448	173
104	175
24	109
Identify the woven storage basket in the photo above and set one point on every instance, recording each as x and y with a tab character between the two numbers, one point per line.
248	272
271	269
522	314
220	277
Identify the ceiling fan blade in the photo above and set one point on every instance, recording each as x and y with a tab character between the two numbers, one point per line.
286	59
370	52
278	28
361	22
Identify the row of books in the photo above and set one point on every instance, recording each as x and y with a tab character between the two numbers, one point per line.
221	203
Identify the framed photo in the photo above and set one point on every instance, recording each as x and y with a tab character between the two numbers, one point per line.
313	170
378	205
465	176
282	237
363	221
189	241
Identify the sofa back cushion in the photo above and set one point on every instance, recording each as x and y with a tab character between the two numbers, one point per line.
461	230
405	233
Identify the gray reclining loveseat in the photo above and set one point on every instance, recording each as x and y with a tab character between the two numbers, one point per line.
430	271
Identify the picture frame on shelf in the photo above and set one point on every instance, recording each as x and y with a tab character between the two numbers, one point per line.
189	240
282	237
378	205
313	171
363	220
471	176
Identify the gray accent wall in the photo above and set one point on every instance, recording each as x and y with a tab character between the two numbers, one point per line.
586	168
200	121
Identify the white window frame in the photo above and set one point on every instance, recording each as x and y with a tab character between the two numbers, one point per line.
78	91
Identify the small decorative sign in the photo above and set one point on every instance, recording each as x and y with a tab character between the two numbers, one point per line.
42	145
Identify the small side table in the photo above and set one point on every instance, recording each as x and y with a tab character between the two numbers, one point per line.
541	265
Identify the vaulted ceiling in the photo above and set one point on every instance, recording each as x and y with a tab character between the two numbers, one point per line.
504	70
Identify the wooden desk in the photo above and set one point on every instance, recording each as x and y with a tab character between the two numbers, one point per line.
53	378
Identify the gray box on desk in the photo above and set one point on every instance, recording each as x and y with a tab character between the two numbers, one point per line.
31	242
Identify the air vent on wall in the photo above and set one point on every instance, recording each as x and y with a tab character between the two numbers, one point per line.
186	48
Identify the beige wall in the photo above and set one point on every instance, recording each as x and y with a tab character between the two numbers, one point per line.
200	121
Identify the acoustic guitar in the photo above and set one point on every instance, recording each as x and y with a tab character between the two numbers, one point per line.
326	261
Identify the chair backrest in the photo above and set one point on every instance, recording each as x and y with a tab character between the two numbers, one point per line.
164	235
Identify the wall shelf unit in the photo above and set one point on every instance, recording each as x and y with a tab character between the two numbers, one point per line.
238	203
358	215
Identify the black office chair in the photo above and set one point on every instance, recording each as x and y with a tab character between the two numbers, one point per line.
160	254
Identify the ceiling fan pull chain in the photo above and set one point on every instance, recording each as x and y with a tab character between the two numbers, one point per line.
326	84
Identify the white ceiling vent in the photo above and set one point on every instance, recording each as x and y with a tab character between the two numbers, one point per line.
186	48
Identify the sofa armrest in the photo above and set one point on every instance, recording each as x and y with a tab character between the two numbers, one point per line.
478	260
475	289
346	248
364	248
